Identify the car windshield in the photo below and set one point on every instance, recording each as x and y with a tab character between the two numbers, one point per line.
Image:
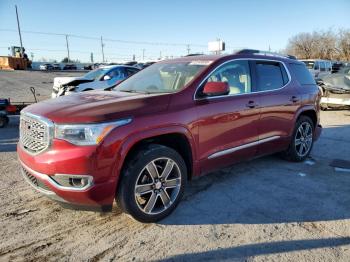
309	64
162	77
96	74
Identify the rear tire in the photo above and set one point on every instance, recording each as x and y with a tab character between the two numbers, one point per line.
302	140
152	183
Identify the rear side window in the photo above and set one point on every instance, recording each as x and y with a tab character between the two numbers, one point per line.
302	74
270	75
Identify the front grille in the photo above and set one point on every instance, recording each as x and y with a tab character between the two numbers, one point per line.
37	183
34	134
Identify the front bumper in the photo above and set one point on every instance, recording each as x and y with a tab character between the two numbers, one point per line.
41	172
48	187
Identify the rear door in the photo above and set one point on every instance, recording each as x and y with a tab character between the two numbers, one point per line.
227	124
279	100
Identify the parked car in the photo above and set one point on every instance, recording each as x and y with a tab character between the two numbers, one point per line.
336	89
103	78
318	68
46	67
336	66
70	67
56	67
173	121
88	67
4	103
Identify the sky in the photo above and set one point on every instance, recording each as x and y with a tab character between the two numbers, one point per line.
150	29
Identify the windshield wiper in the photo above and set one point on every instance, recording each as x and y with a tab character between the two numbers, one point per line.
134	91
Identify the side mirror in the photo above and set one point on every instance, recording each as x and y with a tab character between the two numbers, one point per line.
216	89
106	77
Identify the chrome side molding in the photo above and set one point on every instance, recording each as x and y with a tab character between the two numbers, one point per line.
237	148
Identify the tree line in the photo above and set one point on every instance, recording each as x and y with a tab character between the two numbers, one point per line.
330	45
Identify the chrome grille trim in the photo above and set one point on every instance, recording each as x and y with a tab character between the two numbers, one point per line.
36	133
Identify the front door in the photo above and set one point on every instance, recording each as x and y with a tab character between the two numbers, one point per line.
227	125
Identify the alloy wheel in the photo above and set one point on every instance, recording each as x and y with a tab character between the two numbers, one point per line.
303	139
157	186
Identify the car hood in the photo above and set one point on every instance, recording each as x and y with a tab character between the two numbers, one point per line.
60	81
99	106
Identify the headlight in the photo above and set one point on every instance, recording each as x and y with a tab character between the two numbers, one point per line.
87	134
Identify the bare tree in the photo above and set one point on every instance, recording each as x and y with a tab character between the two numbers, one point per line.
301	45
326	45
343	45
321	44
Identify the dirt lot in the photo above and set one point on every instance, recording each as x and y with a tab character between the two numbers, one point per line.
264	210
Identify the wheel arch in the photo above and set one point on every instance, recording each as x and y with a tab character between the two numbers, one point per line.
178	138
309	112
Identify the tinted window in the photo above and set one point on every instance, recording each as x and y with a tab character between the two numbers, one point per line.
317	66
114	73
322	66
131	71
302	74
309	64
269	75
236	74
329	64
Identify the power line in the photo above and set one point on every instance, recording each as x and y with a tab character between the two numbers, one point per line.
108	39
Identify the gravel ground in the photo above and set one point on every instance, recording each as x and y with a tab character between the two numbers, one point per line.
16	84
263	210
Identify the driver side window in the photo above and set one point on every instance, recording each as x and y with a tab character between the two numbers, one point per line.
236	74
114	73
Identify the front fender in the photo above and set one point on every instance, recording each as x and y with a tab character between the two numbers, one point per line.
128	143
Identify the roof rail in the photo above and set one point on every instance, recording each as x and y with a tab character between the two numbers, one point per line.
195	54
260	52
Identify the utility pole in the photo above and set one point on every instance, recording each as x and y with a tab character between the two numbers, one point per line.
103	54
160	55
188	49
67	48
133	57
19	31
143	54
92	57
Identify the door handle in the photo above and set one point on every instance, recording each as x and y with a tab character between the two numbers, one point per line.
251	104
294	99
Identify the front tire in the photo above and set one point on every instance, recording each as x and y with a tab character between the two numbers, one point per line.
152	183
302	140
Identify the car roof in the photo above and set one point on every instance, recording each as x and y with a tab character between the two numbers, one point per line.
115	66
321	60
208	59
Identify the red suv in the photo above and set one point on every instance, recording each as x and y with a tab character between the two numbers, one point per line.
177	119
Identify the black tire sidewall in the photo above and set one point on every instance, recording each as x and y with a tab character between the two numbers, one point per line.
125	195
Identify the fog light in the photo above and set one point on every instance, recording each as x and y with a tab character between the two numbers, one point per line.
72	181
78	182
